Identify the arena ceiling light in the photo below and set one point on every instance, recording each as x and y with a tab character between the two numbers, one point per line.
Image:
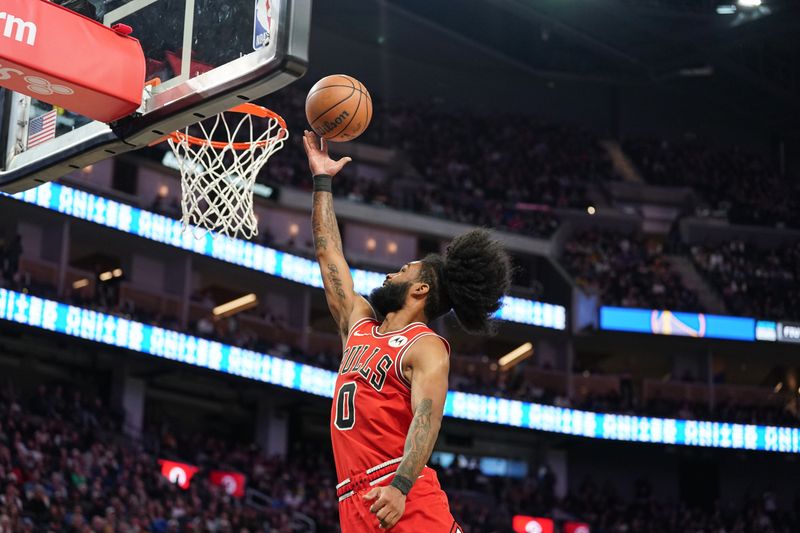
116	273
238	305
749	3
726	9
515	357
81	283
697	72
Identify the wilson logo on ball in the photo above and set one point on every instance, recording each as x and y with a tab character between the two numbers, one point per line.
328	127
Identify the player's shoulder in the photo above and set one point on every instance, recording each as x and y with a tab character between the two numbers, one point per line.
428	345
430	341
362	326
428	352
362	313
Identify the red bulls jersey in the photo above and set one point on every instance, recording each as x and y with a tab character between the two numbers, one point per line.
371	410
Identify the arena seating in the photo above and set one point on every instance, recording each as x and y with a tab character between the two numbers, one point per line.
510	172
473	167
730	179
627	270
266	332
600	503
64	466
509	175
753	282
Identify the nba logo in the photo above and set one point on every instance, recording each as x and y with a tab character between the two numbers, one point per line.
262	24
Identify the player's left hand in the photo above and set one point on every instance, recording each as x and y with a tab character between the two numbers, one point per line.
389	505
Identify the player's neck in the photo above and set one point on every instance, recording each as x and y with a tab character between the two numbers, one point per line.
400	319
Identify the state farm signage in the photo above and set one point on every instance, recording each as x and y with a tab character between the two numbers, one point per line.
35	84
67	60
17	29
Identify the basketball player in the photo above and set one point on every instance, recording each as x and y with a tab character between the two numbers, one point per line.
392	382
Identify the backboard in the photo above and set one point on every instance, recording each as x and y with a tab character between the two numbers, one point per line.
209	55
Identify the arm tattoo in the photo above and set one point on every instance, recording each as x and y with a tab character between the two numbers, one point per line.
336	280
328	245
419	442
323	223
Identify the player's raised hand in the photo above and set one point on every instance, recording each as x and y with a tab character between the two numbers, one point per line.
319	162
389	505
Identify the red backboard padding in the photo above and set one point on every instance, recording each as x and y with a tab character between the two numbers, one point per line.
68	60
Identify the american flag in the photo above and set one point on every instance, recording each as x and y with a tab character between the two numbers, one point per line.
42	128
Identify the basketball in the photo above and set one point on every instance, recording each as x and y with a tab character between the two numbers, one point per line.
338	108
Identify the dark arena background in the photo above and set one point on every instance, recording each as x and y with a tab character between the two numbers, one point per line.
640	161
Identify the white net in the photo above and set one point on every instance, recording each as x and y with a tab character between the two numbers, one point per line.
218	173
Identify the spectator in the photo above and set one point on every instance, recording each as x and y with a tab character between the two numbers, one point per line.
739	184
11	254
504	171
275	338
627	270
754	282
60	474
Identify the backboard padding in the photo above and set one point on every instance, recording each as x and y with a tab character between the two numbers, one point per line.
229	60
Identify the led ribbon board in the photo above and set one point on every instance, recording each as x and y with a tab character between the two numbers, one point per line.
180	347
657	322
771	331
135	221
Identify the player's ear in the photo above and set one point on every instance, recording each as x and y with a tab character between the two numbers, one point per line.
421	288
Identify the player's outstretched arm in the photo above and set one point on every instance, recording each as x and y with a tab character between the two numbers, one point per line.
345	304
430	364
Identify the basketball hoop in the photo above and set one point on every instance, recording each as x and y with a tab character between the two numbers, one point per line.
218	171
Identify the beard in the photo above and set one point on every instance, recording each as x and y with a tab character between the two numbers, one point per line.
389	298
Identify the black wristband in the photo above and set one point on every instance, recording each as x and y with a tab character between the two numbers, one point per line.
401	483
322	182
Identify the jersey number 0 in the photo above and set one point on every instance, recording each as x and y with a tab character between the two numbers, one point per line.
346	406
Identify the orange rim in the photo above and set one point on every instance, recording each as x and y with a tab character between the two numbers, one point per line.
247	109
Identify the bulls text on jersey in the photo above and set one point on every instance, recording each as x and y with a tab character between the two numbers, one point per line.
356	361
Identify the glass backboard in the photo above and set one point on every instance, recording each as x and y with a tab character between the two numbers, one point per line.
208	55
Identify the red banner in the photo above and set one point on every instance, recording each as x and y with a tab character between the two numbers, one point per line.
68	60
576	527
532	524
233	482
179	473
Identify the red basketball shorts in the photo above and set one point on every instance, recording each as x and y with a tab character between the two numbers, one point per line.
427	509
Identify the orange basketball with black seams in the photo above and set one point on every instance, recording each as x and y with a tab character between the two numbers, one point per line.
338	108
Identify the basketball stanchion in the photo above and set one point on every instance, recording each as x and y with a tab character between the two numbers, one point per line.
218	172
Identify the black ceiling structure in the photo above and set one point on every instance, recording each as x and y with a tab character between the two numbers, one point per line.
747	61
